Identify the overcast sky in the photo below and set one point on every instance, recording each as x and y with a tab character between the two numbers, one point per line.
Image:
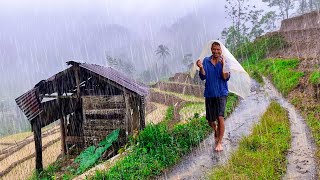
39	36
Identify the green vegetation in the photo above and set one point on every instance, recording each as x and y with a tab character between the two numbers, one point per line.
281	72
190	109
231	103
157	147
169	114
48	173
262	155
315	125
85	160
252	53
315	78
92	154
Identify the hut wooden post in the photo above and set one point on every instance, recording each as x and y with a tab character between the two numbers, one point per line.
62	121
36	127
128	118
63	136
142	113
77	81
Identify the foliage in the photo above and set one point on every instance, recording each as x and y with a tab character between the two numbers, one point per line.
231	103
121	65
163	52
169	114
248	23
315	78
284	6
158	148
187	60
89	156
48	173
282	73
190	108
306	6
261	155
257	50
146	76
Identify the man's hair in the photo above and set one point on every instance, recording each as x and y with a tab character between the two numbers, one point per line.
215	43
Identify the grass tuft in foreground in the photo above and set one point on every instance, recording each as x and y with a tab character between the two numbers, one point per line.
315	78
261	155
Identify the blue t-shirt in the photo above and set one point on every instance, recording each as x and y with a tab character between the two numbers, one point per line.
215	85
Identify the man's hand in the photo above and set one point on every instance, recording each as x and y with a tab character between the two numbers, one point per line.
199	63
221	59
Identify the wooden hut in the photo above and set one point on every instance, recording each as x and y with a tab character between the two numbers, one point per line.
89	100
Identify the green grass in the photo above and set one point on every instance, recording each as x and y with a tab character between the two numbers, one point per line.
47	173
157	148
190	109
315	126
315	78
253	52
169	114
282	73
261	155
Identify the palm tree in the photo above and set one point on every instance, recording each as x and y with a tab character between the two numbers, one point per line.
163	51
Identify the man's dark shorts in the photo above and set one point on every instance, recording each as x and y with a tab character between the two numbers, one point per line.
215	107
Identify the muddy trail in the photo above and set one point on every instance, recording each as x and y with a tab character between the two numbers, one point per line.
201	161
301	155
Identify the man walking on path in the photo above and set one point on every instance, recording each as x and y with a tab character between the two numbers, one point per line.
216	90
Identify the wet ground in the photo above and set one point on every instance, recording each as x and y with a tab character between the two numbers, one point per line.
301	163
301	158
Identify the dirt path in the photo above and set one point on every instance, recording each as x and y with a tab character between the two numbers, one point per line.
203	158
301	159
301	163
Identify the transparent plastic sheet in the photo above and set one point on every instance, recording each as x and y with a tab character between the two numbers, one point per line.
240	81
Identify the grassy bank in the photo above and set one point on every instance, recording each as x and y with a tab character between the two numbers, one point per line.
262	155
157	148
281	72
284	75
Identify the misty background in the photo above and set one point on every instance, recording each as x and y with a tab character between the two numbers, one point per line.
38	36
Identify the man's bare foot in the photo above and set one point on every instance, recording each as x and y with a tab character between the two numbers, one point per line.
219	147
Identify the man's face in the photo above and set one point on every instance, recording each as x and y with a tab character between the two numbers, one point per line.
216	50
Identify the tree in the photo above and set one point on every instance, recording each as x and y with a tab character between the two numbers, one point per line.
119	64
261	23
187	59
284	6
308	6
146	76
237	33
248	23
163	52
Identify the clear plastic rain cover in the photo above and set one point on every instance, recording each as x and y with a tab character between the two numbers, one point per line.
240	81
